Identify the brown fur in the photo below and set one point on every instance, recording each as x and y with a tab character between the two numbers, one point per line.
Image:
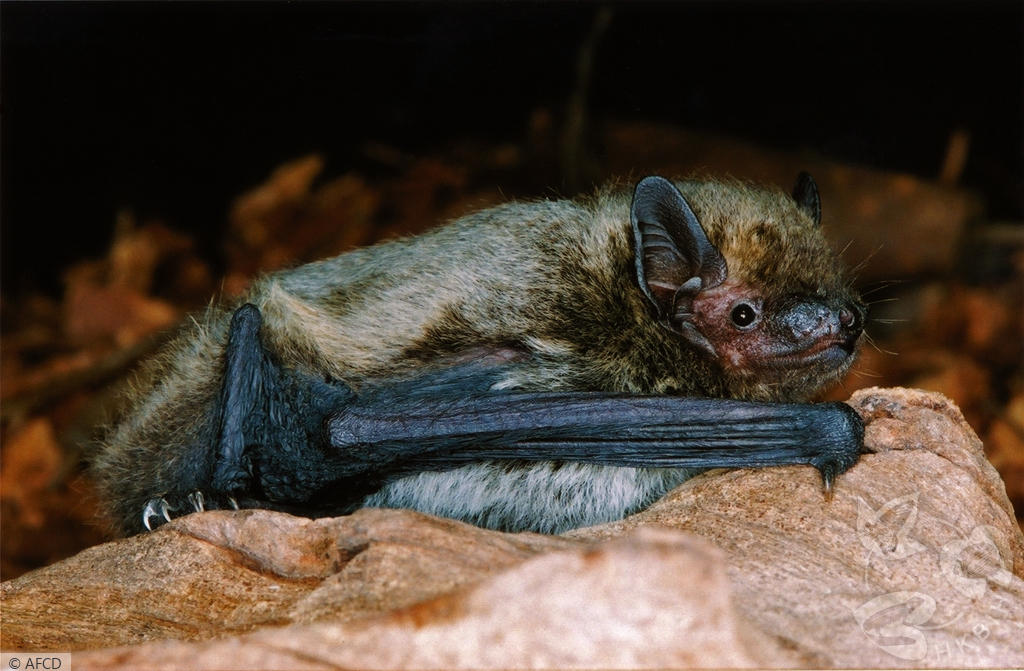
556	279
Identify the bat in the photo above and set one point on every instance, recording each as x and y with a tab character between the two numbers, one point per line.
534	366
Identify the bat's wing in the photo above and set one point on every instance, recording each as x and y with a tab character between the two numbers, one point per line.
293	441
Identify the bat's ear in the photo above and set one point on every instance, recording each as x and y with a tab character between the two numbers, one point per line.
674	258
805	193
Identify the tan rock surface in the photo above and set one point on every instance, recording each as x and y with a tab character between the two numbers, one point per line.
656	598
221	572
915	562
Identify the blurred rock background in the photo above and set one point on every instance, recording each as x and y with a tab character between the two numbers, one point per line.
155	156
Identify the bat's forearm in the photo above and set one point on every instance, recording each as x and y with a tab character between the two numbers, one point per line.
610	429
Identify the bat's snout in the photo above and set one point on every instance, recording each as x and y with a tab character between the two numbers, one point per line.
815	326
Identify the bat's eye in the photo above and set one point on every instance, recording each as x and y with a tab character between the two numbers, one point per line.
743	315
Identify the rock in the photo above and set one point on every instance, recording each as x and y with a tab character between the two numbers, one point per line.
916	561
293	217
97	313
1005	447
656	598
31	459
227	572
42	511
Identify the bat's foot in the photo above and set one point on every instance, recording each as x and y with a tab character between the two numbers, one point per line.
158	509
197	500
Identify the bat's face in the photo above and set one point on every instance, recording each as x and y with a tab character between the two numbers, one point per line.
762	337
747	278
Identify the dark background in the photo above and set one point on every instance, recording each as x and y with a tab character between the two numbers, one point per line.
174	109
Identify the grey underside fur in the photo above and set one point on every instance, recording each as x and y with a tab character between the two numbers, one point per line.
544	497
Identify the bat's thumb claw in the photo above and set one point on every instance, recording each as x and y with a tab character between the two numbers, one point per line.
828	478
829	472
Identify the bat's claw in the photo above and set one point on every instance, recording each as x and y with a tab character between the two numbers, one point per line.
828	477
197	500
156	508
830	468
845	448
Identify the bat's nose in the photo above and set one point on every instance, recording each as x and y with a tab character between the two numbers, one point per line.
851	320
812	320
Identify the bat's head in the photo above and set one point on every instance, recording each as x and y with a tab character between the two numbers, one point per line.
746	277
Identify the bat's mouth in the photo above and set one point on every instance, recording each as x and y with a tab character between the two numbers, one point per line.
829	352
